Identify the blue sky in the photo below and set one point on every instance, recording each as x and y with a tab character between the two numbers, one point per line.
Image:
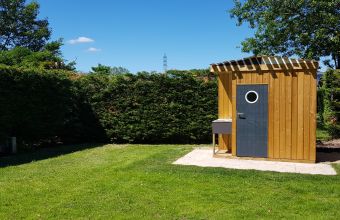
135	34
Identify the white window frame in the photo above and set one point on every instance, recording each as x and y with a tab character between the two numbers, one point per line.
257	97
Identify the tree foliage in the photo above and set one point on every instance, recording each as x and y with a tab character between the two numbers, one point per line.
102	69
331	101
49	57
24	38
307	28
20	27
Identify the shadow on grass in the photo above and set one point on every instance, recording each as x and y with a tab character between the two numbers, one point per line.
42	154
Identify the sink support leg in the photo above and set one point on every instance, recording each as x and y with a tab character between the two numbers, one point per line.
213	137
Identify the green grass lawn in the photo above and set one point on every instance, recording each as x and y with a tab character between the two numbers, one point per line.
139	182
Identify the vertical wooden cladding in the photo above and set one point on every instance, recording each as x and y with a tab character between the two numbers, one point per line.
224	106
291	111
233	133
312	120
288	115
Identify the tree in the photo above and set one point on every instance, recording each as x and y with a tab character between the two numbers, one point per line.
307	28
202	74
20	27
49	57
102	69
119	70
331	101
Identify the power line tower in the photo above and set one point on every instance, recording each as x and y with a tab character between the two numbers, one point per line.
165	63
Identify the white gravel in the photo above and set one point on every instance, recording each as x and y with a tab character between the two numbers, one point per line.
204	158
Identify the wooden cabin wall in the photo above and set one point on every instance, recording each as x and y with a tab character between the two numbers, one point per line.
224	107
291	110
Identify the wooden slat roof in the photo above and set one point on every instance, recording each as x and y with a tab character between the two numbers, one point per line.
260	63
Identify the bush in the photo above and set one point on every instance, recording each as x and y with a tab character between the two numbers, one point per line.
331	102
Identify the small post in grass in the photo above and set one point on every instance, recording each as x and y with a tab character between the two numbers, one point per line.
14	145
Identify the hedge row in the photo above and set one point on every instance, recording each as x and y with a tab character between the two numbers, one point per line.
153	108
39	107
59	106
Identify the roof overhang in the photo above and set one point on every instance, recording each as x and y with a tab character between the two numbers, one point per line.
264	63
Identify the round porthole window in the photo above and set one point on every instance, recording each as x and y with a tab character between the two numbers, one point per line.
251	97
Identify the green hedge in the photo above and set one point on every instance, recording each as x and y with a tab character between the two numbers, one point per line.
43	107
153	108
40	106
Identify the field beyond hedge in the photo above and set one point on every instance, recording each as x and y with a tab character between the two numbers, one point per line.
139	182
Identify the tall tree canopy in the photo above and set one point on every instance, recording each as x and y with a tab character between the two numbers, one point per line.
307	28
49	57
20	27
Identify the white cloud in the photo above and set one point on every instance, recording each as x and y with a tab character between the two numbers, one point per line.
80	40
93	49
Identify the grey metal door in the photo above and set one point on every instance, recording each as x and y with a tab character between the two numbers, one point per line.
252	120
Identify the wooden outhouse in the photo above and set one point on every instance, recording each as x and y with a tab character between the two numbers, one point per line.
267	108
